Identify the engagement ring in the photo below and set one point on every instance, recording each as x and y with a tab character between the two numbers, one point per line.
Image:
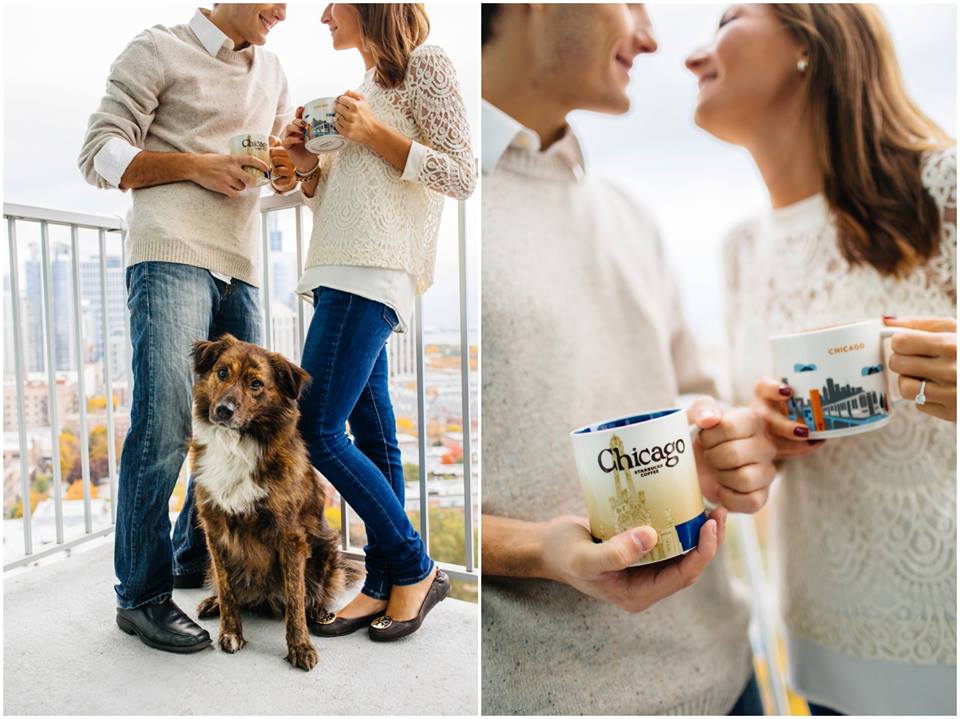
921	398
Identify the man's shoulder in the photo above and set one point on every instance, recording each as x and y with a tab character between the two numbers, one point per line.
616	195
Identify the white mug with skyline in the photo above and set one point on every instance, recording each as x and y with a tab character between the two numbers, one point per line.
839	376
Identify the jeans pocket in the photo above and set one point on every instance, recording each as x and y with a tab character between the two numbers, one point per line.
390	317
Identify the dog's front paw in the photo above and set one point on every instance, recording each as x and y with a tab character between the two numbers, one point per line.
231	642
303	656
209	607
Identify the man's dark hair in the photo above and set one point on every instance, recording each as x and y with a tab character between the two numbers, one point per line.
488	13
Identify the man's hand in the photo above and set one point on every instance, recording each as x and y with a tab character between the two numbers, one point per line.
734	455
604	571
282	175
224	173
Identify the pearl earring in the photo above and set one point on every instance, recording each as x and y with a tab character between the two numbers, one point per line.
802	64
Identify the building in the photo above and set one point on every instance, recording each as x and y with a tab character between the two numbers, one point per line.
37	402
92	300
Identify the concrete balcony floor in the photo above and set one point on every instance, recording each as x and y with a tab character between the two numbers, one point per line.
63	654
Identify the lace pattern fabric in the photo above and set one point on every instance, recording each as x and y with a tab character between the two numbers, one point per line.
866	526
365	213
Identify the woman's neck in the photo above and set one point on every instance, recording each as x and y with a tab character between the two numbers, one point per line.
367	59
786	154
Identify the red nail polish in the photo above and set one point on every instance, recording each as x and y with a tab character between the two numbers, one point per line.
889	317
801	432
785	391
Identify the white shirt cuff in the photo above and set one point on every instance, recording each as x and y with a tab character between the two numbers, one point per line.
411	171
113	159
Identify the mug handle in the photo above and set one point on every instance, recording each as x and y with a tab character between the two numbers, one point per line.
893	378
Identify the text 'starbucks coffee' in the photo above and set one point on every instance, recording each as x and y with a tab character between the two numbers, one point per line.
640	471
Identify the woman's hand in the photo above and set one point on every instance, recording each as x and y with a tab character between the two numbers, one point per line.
603	570
354	118
292	141
927	351
282	175
790	437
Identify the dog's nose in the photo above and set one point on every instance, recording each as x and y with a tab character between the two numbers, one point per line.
224	411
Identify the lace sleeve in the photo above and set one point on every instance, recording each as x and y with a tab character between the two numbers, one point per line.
444	162
939	177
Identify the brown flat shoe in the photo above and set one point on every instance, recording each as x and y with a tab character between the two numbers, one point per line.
330	625
385	629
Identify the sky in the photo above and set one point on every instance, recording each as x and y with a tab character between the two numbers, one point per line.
696	186
45	110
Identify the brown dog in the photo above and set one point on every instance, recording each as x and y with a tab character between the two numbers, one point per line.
259	500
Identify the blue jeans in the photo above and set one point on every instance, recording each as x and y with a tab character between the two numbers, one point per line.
750	703
171	306
345	353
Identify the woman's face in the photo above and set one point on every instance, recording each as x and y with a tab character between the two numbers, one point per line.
344	23
747	74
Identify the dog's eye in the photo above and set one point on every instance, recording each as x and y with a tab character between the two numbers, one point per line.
256	384
222	373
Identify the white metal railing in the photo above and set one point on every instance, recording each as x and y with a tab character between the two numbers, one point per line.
14	214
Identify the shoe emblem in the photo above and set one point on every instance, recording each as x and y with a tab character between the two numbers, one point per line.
326	618
382	622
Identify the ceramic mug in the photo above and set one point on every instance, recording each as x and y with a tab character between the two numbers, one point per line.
640	471
320	135
840	379
257	146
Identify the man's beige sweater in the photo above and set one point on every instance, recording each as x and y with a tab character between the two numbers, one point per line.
582	322
167	93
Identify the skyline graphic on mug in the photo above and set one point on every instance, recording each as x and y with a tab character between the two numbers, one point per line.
838	407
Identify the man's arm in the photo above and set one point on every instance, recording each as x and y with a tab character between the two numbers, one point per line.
219	173
512	547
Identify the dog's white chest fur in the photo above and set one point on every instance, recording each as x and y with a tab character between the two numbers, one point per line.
225	468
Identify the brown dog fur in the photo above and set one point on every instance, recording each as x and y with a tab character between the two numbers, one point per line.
269	544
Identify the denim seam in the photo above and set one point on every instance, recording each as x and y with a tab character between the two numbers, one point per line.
148	434
388	574
419	578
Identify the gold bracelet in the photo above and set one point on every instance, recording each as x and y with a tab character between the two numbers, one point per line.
308	176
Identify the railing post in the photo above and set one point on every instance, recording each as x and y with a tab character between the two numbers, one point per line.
51	377
265	292
126	326
108	379
301	327
21	384
81	380
465	391
422	428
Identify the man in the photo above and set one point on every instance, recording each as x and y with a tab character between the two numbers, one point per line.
582	322
175	96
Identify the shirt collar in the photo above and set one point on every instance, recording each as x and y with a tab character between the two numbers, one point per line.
210	36
501	131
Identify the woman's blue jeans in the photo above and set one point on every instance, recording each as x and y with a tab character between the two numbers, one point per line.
345	354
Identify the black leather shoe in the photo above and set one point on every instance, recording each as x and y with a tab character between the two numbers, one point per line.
163	626
195	580
330	625
385	629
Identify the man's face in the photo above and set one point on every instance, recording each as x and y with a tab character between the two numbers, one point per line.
253	21
588	50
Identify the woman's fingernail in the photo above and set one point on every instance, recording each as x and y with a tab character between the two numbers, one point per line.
889	317
785	391
801	432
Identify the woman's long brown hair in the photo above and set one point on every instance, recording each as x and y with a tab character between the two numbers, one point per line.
871	136
391	31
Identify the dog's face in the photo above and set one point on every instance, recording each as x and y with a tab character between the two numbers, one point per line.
244	387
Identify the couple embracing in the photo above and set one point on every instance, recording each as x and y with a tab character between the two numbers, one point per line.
582	320
175	97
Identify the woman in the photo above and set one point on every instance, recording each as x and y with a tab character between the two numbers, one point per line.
863	223
376	211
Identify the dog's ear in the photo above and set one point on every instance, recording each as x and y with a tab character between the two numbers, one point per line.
289	378
206	353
